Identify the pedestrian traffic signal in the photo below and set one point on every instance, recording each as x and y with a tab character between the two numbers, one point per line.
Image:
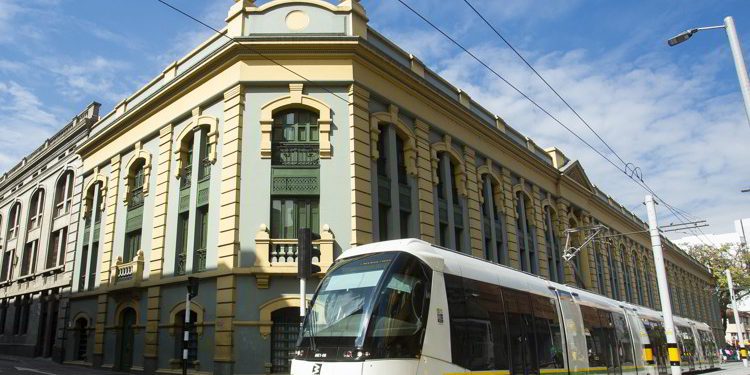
305	253
192	287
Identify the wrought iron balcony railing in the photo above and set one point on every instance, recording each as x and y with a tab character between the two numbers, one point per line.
294	154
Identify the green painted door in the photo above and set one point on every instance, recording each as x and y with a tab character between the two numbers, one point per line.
127	337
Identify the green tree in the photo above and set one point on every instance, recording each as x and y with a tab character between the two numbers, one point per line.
719	259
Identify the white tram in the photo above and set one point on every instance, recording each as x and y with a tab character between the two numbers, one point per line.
407	307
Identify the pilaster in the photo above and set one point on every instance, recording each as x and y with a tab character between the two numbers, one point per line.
101	319
541	240
151	339
563	208
472	200
161	199
509	207
225	306
109	224
359	166
229	201
424	184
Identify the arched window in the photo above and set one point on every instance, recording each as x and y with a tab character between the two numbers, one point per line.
284	333
64	193
179	340
626	274
493	221
14	220
649	287
134	222
526	233
600	283
295	185
36	208
393	196
614	278
82	339
638	281
92	217
554	252
450	204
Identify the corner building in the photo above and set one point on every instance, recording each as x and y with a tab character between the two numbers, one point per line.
310	118
39	199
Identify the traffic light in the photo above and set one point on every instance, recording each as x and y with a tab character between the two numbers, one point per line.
305	253
192	287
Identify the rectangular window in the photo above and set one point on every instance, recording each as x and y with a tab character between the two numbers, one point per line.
25	315
132	245
92	265
7	266
3	316
28	262
600	337
182	242
56	248
288	214
201	239
548	332
84	261
520	315
479	338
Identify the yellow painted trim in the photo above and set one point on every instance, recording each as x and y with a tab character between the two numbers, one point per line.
674	354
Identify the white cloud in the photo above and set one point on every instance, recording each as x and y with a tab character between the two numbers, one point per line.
98	77
689	141
26	123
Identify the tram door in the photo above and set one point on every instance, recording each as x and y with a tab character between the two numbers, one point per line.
521	332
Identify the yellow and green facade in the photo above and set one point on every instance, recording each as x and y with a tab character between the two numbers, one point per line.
298	114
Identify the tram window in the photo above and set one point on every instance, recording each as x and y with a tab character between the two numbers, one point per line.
599	337
658	340
478	333
688	345
624	341
520	331
549	345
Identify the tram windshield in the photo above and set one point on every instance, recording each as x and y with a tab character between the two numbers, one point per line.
372	306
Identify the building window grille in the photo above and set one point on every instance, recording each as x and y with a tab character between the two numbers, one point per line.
450	205
599	271
182	242
284	333
136	188
82	339
192	344
201	239
495	248
614	279
626	275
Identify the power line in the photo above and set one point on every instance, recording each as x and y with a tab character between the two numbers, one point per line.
632	172
253	50
497	32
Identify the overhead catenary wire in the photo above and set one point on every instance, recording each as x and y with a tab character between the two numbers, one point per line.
633	173
623	169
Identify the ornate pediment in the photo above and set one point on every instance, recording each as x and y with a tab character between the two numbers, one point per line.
575	171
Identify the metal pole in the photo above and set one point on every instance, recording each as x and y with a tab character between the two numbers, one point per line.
661	278
302	300
186	334
737	323
739	63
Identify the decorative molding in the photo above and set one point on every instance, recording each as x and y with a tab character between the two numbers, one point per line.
402	130
459	173
130	173
265	322
295	99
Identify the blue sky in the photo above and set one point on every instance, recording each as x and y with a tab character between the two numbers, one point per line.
675	112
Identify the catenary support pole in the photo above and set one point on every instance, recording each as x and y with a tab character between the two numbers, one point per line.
186	335
739	63
737	322
661	277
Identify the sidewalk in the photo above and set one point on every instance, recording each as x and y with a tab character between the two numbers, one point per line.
733	368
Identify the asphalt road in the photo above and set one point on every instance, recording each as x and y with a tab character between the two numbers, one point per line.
38	366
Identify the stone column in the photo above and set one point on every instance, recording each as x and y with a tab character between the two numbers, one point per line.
424	183
161	199
359	166
474	226
231	155
151	339
113	186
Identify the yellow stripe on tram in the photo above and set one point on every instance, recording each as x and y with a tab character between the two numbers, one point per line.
497	372
554	371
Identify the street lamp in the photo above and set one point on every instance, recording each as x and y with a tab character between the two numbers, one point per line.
734	43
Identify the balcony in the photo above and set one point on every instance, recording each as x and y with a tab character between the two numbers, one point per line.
295	154
127	275
278	256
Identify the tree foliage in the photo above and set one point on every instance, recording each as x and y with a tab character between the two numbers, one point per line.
719	259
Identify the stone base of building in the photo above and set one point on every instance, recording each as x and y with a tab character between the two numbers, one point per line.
58	354
18	350
223	368
98	361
